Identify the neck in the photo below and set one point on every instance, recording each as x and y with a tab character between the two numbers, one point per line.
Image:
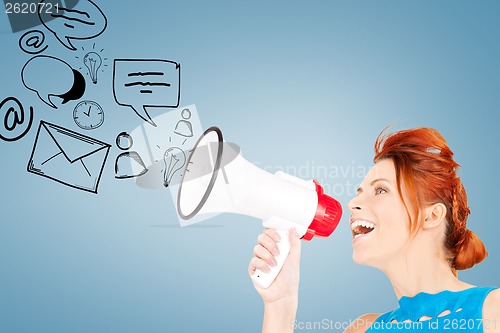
417	270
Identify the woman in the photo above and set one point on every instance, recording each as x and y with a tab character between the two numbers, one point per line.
408	219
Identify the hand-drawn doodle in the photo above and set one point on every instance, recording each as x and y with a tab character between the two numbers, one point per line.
128	164
174	159
144	84
24	15
32	42
183	126
124	141
94	62
68	157
13	118
152	143
83	20
49	76
88	115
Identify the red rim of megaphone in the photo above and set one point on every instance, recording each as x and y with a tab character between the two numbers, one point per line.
327	216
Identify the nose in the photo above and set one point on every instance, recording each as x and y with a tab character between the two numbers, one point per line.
355	204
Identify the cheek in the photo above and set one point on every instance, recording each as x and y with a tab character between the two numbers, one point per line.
394	221
395	234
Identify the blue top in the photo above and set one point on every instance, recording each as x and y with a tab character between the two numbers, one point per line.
449	311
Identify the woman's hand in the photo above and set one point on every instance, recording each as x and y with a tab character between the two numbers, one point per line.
286	285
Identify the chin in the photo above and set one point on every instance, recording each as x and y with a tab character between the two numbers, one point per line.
362	259
359	258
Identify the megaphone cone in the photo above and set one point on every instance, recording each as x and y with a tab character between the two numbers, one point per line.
218	179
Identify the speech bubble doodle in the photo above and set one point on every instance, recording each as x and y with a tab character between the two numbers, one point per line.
49	76
32	42
146	83
76	90
83	20
13	119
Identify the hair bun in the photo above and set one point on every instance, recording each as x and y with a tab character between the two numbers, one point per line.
470	251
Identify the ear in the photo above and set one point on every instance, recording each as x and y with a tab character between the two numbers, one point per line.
434	215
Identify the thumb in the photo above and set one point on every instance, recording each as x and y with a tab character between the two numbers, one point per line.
295	243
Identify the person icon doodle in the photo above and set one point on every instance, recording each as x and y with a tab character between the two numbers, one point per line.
128	164
183	126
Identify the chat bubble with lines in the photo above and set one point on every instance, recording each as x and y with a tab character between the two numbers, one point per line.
145	84
81	20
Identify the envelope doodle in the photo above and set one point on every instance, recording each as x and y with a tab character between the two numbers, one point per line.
68	157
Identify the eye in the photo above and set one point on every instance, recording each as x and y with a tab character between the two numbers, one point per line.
380	190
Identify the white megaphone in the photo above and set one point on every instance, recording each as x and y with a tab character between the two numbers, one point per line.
218	179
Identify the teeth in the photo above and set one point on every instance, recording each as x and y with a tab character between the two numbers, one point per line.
362	223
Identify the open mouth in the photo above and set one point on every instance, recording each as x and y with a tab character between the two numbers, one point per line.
361	227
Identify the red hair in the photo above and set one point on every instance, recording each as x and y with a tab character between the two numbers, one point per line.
424	164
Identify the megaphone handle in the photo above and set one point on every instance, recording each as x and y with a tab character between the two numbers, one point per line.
264	279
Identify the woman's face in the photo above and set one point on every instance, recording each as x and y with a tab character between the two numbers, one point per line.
379	219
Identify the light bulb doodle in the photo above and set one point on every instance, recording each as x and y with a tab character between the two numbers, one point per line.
174	159
93	62
152	142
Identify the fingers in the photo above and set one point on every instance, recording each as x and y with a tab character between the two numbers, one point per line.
256	263
265	251
268	240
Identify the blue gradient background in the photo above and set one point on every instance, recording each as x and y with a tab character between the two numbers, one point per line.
295	84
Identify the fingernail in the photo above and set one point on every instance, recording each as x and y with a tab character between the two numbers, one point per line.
273	262
275	251
267	269
277	237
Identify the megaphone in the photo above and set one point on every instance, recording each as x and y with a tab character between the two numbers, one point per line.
217	179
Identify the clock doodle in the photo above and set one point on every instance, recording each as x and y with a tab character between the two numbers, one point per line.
88	115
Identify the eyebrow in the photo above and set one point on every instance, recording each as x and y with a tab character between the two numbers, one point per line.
360	189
